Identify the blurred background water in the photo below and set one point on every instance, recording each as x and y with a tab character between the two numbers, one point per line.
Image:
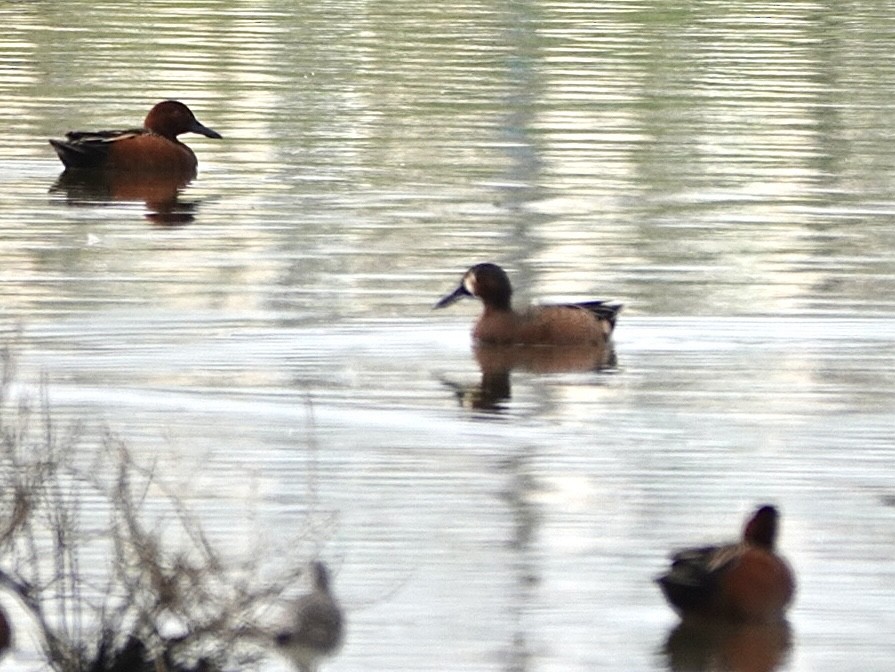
265	336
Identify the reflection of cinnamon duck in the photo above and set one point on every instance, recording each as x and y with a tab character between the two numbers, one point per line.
160	192
587	323
731	647
740	582
153	148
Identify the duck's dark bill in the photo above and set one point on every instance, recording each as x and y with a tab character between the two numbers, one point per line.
453	297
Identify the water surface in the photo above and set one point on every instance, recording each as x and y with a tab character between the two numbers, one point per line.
267	339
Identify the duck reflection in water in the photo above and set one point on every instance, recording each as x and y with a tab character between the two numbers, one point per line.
559	338
732	599
160	193
497	362
728	647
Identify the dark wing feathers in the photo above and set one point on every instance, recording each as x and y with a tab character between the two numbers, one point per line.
602	309
88	149
93	137
693	577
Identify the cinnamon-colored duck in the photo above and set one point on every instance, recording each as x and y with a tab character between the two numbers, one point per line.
153	148
743	582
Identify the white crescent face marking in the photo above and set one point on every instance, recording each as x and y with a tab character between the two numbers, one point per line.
469	283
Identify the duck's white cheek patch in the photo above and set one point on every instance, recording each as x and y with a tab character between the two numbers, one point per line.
469	284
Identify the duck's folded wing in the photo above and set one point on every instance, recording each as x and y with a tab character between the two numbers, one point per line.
88	149
605	310
693	576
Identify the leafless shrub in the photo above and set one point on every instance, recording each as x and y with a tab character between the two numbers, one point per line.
157	567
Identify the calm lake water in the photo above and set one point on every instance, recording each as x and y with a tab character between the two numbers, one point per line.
265	336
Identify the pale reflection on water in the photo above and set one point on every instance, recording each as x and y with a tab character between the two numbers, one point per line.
722	169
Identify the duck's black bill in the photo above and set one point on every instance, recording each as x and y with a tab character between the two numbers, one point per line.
202	129
453	297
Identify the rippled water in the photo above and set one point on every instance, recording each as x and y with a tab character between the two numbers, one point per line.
266	336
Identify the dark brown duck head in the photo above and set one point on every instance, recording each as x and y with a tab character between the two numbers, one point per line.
489	282
170	118
761	528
